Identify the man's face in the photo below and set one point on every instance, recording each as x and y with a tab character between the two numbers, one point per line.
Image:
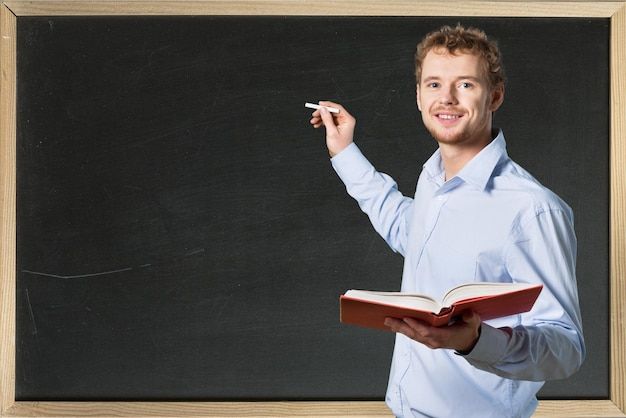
455	98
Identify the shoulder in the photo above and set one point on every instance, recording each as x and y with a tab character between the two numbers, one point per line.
528	194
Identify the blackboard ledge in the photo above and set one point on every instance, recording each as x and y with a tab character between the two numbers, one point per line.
363	409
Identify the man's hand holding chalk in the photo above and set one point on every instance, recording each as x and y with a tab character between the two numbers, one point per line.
314	106
339	125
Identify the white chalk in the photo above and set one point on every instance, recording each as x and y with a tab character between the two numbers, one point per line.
314	106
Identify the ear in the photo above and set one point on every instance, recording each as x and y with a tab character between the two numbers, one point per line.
497	97
417	98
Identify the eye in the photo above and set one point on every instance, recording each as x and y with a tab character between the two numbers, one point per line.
466	85
433	85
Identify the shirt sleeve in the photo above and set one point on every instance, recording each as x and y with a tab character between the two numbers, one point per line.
377	195
547	342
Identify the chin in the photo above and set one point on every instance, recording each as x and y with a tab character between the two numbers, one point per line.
448	137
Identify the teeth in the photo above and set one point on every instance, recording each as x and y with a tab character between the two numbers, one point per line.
449	117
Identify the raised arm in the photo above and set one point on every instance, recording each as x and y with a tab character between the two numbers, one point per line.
376	193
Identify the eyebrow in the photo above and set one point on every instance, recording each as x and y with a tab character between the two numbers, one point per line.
463	77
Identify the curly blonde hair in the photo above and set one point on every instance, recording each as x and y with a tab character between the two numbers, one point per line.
470	40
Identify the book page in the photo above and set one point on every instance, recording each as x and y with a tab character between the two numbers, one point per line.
474	290
405	300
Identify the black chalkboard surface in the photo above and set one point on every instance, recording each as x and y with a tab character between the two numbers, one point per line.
181	235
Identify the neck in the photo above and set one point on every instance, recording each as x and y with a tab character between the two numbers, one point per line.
455	156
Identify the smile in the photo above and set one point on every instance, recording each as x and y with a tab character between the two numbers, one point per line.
448	117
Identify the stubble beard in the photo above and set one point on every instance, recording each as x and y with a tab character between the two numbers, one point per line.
456	137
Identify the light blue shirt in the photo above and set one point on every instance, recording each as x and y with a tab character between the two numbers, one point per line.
491	222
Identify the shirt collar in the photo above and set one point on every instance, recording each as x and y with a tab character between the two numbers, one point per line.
477	171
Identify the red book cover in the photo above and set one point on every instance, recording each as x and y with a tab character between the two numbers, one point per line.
501	300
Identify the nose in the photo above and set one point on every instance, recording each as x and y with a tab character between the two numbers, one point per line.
448	96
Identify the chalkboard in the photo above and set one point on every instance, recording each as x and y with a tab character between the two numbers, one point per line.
181	234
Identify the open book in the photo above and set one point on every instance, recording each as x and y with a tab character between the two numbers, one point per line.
490	300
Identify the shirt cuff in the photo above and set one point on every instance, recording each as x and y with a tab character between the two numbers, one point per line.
490	347
350	164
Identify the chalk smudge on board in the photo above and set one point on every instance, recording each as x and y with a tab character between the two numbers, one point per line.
78	276
31	313
109	272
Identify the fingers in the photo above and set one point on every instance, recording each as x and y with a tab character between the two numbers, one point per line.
317	118
431	337
471	318
322	117
394	324
329	122
416	330
459	336
407	326
333	104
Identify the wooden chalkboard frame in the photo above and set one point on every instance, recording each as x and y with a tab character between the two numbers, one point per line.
10	10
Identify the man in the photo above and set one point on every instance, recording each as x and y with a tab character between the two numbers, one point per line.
476	216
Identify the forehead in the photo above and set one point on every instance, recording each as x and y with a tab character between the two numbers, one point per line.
440	63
